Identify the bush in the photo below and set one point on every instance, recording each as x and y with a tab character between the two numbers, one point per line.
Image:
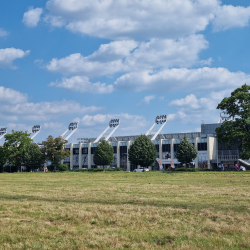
63	167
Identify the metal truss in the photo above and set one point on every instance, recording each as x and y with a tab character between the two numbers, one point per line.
72	126
162	119
36	130
114	123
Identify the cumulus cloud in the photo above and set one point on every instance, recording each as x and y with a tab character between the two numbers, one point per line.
3	32
32	17
11	96
201	79
228	16
147	99
135	19
14	105
46	110
105	61
193	109
8	55
83	85
18	127
94	125
144	20
53	125
125	56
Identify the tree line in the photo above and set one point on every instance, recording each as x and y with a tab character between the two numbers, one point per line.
19	150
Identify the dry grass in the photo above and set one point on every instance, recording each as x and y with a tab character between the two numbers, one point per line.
125	210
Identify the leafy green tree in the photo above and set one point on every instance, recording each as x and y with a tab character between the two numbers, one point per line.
236	106
33	157
142	152
104	154
15	146
3	158
54	151
186	152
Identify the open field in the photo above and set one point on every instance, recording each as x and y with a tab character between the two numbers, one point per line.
120	210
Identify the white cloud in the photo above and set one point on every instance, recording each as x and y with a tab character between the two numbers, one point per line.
105	61
32	17
18	127
11	96
144	19
190	100
8	55
46	110
3	32
167	53
147	99
167	80
53	125
83	85
126	56
192	109
229	16
94	125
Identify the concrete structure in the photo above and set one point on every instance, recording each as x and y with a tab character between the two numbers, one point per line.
210	153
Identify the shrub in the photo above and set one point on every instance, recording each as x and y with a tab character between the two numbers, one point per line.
63	167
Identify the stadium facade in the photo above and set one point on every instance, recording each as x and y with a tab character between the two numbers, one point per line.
210	152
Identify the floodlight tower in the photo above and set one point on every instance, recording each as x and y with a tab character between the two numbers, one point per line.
114	123
72	126
160	119
224	117
3	132
35	130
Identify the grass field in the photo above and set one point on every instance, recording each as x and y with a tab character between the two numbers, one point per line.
121	210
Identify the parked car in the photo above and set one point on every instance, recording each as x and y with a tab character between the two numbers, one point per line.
141	170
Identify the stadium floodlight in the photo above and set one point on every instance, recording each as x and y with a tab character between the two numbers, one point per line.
72	126
3	132
160	119
224	117
35	130
114	123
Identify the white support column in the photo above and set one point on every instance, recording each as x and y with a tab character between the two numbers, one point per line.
80	155
71	155
89	155
196	147
160	149
128	162
118	155
172	149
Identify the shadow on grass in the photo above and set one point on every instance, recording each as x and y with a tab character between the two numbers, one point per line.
180	205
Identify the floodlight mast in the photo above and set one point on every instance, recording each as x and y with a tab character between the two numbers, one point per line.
115	123
36	130
224	117
160	119
72	126
3	132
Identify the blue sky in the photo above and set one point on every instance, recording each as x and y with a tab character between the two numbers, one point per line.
91	61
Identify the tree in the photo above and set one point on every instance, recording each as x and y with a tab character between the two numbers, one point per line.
142	152
33	157
236	106
53	150
104	154
3	158
15	146
186	152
